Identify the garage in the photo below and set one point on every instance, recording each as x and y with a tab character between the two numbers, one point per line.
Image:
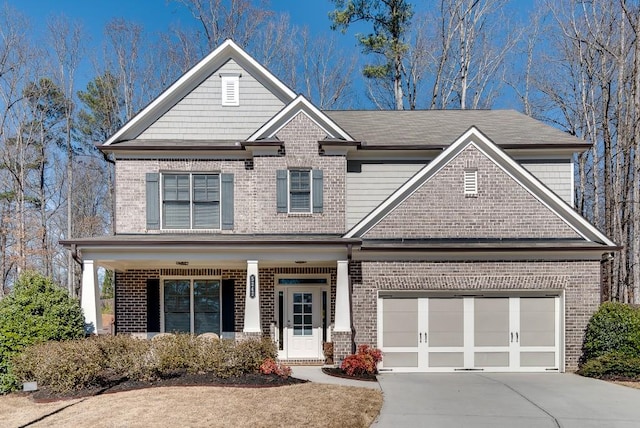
492	332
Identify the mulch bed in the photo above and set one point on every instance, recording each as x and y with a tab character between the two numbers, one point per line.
336	372
253	380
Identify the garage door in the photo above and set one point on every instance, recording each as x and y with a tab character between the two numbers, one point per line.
470	333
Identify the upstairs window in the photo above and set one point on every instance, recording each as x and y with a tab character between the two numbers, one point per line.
191	201
230	91
299	191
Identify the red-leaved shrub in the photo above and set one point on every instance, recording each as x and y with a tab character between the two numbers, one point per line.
364	362
269	366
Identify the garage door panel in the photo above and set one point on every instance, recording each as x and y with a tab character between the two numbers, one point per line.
401	359
491	322
446	359
399	339
537	338
446	322
400	322
537	359
491	359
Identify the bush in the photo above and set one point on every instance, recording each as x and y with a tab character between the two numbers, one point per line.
613	365
614	327
105	360
269	366
364	362
37	310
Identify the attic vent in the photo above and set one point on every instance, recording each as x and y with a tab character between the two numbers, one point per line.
471	182
230	90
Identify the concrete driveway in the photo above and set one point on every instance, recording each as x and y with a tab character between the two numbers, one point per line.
505	400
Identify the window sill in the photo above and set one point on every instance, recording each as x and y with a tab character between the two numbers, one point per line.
299	214
189	231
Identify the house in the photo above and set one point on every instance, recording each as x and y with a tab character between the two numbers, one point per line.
446	238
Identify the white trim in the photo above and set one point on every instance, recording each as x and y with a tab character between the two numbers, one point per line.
299	105
533	186
196	75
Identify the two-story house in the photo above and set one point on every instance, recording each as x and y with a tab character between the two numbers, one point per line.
446	238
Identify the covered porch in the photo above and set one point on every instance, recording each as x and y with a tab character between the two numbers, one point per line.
294	289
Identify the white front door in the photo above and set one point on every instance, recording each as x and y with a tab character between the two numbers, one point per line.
303	322
470	333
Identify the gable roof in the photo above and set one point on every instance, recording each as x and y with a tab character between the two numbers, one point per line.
437	128
476	138
300	104
194	77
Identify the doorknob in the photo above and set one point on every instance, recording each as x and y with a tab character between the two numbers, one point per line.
511	337
420	337
516	337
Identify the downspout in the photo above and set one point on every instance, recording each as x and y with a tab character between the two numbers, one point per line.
353	329
74	254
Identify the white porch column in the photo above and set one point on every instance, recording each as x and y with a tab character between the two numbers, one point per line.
343	311
252	300
90	300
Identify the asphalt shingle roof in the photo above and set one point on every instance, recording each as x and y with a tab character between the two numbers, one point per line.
442	127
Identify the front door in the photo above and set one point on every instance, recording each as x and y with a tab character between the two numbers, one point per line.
303	322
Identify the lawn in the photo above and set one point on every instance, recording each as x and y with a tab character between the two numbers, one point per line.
309	404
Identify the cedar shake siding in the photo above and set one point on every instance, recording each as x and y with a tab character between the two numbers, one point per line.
502	208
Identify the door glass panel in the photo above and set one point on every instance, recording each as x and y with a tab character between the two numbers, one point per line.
206	306
446	322
537	321
177	308
399	323
303	304
491	318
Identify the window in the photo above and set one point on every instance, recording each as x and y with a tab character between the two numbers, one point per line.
191	201
230	90
191	306
471	182
299	191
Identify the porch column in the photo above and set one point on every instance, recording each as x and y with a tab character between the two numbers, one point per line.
343	311
252	300
90	300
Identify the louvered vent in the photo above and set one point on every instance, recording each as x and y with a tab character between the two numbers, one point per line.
230	90
471	182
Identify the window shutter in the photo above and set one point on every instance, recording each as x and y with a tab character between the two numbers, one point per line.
317	190
227	201
153	305
282	191
153	201
228	306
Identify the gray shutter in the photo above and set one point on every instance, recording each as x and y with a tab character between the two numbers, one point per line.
153	201
282	191
317	190
226	201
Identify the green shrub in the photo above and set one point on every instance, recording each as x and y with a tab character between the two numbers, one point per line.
37	310
612	365
614	327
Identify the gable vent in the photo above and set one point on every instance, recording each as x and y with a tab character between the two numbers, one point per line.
471	182
230	90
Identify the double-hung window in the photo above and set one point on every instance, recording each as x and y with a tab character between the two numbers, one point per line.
191	306
191	201
299	191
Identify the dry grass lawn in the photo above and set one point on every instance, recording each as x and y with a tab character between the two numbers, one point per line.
309	404
630	384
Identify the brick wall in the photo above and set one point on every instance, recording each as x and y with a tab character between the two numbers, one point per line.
578	279
254	187
502	208
131	315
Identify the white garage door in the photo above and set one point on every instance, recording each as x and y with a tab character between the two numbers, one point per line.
470	333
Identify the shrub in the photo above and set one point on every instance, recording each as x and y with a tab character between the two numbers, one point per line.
37	310
612	365
614	327
269	366
364	362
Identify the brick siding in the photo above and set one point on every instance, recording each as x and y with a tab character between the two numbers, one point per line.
579	279
502	209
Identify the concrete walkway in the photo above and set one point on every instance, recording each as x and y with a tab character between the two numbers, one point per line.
505	400
315	374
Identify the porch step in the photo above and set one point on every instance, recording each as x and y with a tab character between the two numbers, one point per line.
303	362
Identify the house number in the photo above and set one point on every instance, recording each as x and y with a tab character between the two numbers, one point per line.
252	286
